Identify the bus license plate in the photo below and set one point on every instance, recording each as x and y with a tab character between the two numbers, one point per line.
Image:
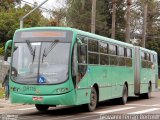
37	98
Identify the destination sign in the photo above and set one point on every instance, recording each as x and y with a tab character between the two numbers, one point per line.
44	35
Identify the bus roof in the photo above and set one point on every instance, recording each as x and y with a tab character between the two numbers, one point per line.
98	37
86	34
103	38
147	50
43	28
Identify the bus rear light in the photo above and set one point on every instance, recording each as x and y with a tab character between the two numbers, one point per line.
37	98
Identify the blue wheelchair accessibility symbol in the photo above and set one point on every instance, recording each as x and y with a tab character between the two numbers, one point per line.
41	79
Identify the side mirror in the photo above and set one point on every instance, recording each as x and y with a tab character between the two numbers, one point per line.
5	55
6	50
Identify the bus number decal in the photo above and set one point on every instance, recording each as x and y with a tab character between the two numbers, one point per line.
29	88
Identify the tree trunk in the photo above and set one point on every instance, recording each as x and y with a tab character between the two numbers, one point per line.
93	17
144	25
127	35
113	18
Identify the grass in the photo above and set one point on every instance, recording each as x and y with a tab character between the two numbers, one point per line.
1	93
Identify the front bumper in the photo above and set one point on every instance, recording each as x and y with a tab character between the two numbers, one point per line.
61	99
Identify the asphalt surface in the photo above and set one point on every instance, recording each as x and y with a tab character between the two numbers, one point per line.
136	108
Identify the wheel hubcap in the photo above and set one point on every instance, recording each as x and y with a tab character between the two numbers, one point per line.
125	95
149	91
93	99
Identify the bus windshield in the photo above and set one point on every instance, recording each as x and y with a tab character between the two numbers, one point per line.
40	62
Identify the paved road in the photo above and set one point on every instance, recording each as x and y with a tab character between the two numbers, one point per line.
132	110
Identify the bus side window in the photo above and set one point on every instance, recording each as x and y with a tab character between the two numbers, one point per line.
82	60
74	64
121	54
142	55
82	54
155	59
128	57
151	58
112	49
74	60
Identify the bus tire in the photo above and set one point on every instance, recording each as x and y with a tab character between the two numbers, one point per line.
124	95
42	107
148	94
93	100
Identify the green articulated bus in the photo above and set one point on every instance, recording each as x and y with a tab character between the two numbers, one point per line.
64	66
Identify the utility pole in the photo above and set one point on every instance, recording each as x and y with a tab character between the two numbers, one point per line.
113	18
22	19
93	17
144	25
127	34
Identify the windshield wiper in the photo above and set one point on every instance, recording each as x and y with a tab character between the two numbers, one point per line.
47	51
31	49
34	54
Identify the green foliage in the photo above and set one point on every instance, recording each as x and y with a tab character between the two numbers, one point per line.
59	16
79	16
2	91
8	4
153	27
10	18
1	51
8	24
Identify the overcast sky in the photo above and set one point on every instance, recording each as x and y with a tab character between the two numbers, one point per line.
50	4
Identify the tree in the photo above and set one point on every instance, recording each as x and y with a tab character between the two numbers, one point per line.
8	4
144	24
93	16
59	16
113	18
79	16
32	19
9	21
8	25
153	27
127	34
153	23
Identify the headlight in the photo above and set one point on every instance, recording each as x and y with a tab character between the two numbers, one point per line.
62	90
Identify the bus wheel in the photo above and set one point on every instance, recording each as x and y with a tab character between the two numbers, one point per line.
42	107
148	94
124	95
93	100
